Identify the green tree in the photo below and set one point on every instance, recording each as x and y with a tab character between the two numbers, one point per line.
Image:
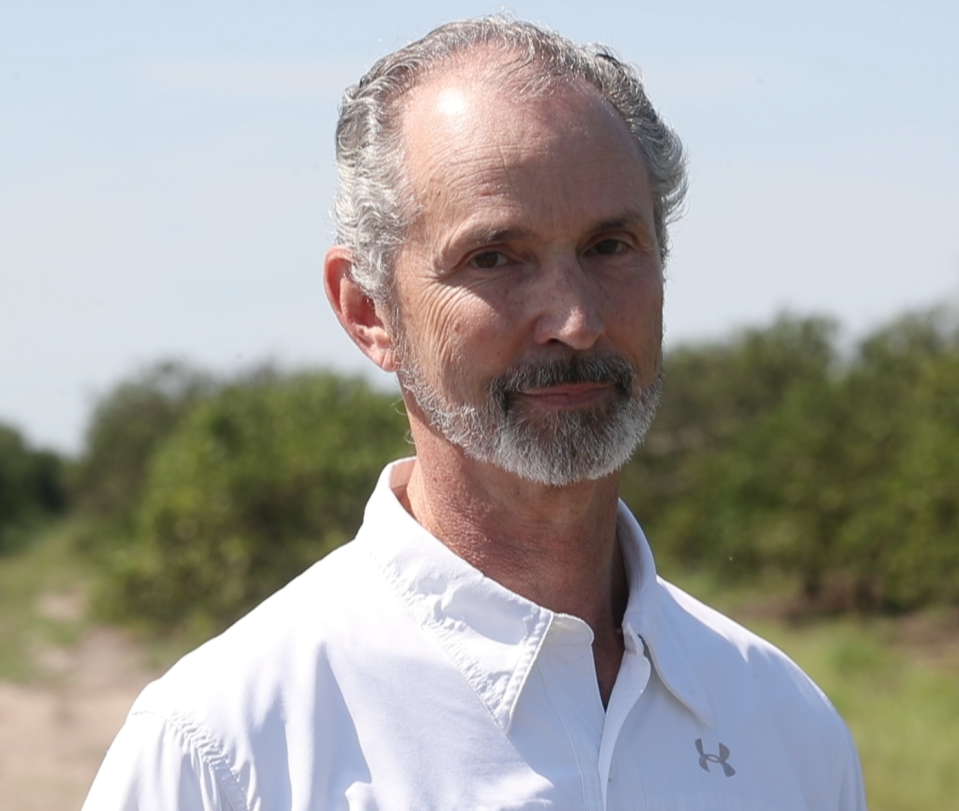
128	424
902	539
253	486
702	478
31	487
839	475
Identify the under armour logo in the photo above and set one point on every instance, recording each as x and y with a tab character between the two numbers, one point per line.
721	758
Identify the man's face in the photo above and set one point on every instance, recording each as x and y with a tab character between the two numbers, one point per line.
529	293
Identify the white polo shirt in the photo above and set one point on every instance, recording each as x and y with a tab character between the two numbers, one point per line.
393	675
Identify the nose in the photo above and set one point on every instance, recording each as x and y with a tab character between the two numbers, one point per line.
568	305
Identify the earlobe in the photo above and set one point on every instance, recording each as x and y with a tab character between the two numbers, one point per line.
361	317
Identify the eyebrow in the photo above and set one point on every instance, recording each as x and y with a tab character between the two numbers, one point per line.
490	236
477	237
631	219
482	235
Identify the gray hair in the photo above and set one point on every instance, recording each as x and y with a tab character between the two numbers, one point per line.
373	208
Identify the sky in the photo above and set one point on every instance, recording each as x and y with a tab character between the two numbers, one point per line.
166	173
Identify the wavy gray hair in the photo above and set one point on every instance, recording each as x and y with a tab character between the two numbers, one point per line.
374	206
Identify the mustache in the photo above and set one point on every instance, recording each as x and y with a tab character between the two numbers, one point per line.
607	370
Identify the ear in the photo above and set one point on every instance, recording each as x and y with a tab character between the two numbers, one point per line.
363	319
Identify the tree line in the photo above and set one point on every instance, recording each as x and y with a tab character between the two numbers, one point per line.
837	470
778	452
32	488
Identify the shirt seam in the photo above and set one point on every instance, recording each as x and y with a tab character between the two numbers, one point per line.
209	754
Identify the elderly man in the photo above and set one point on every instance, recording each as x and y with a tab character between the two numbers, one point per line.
496	636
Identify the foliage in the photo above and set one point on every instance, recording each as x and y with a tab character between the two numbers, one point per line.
31	487
256	483
774	454
127	425
705	443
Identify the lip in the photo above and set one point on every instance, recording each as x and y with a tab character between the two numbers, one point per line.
568	396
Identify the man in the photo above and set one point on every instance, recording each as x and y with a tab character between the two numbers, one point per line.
496	636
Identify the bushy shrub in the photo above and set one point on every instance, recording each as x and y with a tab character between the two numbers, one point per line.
256	483
31	487
774	451
127	425
691	480
902	539
841	475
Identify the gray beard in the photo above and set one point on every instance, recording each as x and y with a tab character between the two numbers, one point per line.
554	448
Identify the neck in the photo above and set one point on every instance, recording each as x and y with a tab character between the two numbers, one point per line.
556	546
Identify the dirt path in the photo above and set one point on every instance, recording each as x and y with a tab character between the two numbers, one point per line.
54	734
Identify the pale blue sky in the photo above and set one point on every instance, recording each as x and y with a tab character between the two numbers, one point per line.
166	172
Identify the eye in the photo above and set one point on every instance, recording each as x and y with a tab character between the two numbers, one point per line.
608	247
487	260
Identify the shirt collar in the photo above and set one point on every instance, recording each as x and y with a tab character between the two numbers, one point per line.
647	618
491	634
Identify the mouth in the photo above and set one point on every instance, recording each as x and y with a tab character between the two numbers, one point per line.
574	383
568	396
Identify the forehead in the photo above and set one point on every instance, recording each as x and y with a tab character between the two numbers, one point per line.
473	139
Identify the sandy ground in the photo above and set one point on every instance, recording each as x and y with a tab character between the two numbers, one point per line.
53	734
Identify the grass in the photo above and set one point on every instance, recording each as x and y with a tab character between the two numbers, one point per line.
42	587
45	586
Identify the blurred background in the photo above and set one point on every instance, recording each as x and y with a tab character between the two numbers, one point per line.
183	426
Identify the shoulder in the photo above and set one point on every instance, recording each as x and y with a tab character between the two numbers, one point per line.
721	647
750	685
731	660
235	719
236	689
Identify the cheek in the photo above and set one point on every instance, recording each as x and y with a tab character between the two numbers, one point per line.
636	325
460	334
479	342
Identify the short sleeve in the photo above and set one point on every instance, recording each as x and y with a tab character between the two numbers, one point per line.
153	766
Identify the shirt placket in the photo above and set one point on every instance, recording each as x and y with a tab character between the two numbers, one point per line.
630	684
569	674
